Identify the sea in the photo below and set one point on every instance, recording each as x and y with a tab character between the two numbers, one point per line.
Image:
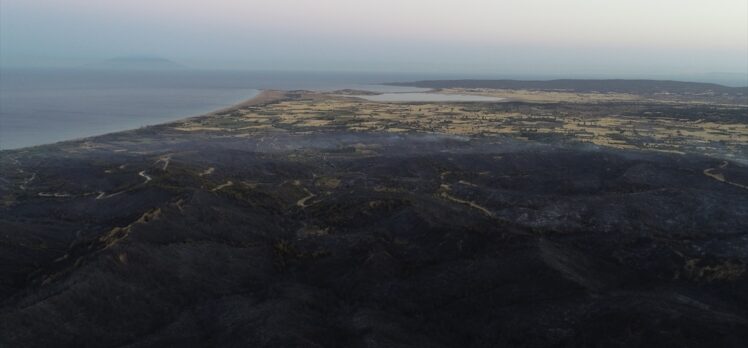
43	106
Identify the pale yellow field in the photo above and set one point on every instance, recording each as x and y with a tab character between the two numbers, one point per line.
324	112
545	96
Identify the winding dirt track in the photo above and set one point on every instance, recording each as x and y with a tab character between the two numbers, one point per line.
302	202
715	174
473	205
146	176
104	195
222	186
54	194
165	160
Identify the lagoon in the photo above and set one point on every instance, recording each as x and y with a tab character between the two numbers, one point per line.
429	97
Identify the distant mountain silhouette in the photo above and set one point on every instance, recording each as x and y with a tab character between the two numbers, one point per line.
136	63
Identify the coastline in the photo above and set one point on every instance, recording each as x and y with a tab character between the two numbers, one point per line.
263	96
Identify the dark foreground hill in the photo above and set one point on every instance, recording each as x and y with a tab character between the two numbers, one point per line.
638	87
368	240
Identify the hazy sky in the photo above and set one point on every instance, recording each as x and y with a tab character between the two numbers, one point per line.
478	36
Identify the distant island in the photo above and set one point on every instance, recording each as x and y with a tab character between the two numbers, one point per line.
136	63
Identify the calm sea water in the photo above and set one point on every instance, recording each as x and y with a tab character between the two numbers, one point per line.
46	106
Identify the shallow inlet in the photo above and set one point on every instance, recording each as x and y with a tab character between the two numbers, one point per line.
429	97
